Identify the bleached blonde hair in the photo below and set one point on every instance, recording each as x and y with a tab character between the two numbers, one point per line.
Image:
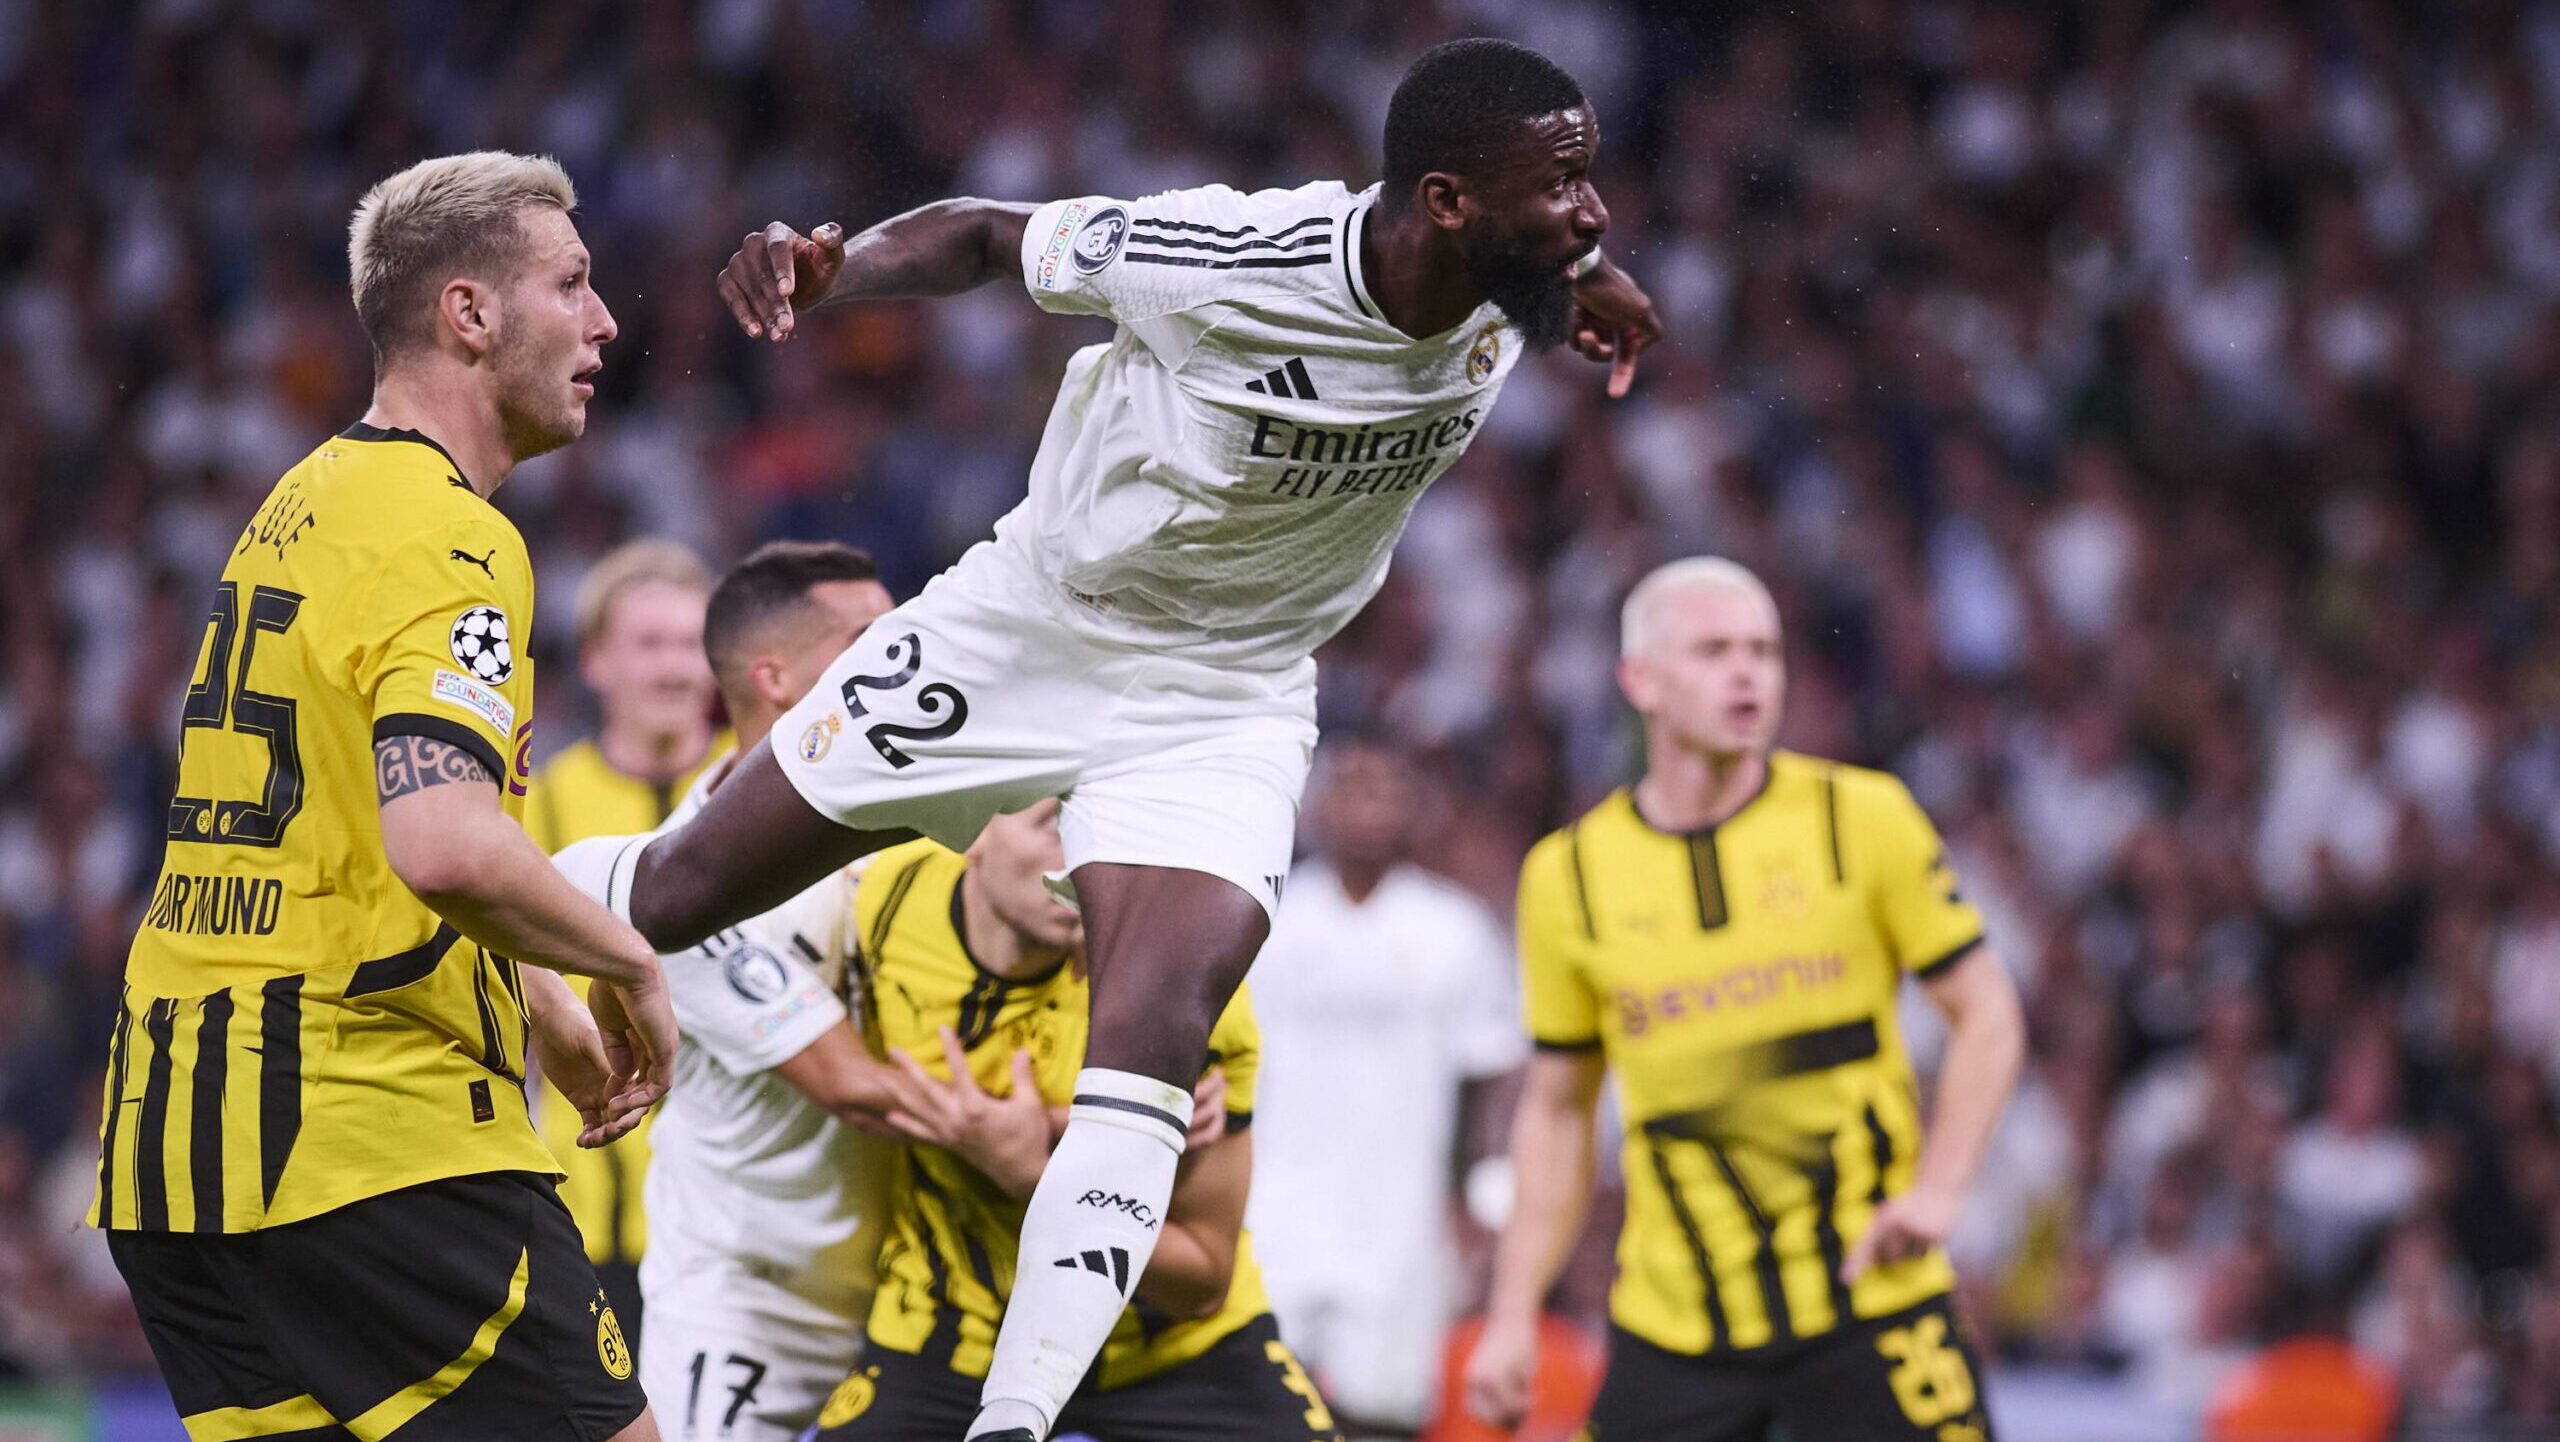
1690	573
644	562
435	220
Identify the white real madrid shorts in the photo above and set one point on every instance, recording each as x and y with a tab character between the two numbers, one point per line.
982	695
727	1356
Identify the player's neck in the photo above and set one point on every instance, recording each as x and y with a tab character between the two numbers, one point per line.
1414	275
453	414
993	944
1360	877
654	756
1685	790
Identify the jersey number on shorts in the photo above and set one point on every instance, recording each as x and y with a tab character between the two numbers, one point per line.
1930	1379
741	1392
930	701
223	698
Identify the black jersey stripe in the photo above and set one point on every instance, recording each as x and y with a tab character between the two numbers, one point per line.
1831	822
1940	965
279	1078
1764	1257
1249	262
1706	875
151	1139
118	1047
204	1117
1825	1176
1354	227
1882	1142
1175	242
1718	1332
945	1336
493	1050
1190	227
388	973
1115	1104
1581	888
899	886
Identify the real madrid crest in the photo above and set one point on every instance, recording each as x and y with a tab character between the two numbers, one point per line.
821	735
1484	354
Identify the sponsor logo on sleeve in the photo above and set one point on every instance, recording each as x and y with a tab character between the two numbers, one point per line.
481	647
1098	243
479	700
1061	238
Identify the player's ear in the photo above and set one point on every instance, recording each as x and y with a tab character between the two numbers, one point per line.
465	308
1635	679
1444	199
772	685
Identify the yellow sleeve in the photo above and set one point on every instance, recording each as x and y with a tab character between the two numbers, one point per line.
1235	1044
448	618
1911	886
1557	1003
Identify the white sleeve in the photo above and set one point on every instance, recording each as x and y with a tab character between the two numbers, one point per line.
752	996
1488	1042
1136	260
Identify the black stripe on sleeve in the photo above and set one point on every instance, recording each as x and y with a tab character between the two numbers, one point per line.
1566	1045
1581	889
118	1044
1932	970
1831	822
437	728
279	1079
1249	262
151	1141
204	1118
388	973
1238	1121
1170	242
1150	222
1181	1127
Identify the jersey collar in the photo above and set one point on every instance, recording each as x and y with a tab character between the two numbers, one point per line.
362	432
1348	275
1768	776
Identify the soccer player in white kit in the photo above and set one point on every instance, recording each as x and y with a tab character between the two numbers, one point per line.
1217	492
1379	980
766	1200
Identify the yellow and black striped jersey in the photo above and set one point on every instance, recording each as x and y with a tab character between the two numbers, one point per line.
298	1030
947	1263
578	794
1742	982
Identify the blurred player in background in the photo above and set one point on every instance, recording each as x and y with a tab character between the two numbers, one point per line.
1218	492
767	1198
974	983
318	1172
1380	980
1729	937
639	630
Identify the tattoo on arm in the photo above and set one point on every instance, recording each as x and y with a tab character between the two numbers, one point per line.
402	764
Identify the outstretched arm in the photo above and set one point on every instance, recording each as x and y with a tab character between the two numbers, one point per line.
939	249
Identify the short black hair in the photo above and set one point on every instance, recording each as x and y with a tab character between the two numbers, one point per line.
1456	102
774	578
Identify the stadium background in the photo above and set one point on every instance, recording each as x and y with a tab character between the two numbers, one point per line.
2147	417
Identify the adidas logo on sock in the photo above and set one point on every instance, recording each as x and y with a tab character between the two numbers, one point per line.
1113	1265
1290	382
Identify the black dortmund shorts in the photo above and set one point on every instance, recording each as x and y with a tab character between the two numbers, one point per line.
1247	1388
457	1309
1908	1377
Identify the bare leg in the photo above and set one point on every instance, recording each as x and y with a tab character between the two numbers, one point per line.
754	846
1167	948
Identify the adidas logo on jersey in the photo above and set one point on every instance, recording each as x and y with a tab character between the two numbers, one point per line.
1114	1265
1290	382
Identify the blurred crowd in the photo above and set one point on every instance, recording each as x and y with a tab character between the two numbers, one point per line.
2148	415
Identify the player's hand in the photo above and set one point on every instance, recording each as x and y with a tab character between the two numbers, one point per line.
570	1050
775	269
1613	321
1005	1137
639	1028
1208	1109
1903	1228
1502	1369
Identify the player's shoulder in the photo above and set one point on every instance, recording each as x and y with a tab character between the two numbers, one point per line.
1858	789
1276	240
1604	823
1220	204
897	876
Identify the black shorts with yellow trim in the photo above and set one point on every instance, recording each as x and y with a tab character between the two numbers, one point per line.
1906	1377
1247	1388
460	1308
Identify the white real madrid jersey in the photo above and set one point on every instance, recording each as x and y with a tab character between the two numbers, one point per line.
1226	477
746	1172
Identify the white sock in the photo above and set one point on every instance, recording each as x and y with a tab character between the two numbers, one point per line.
1091	1228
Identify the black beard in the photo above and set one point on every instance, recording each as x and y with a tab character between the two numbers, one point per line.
1538	297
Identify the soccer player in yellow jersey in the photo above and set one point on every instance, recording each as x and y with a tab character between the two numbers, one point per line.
640	628
1728	937
317	1173
973	980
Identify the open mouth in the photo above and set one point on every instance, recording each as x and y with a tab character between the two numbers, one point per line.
584	382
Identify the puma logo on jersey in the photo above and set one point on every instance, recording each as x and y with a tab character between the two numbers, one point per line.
1115	1268
1290	382
481	561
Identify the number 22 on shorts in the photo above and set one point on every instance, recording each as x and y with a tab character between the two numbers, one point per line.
931	701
